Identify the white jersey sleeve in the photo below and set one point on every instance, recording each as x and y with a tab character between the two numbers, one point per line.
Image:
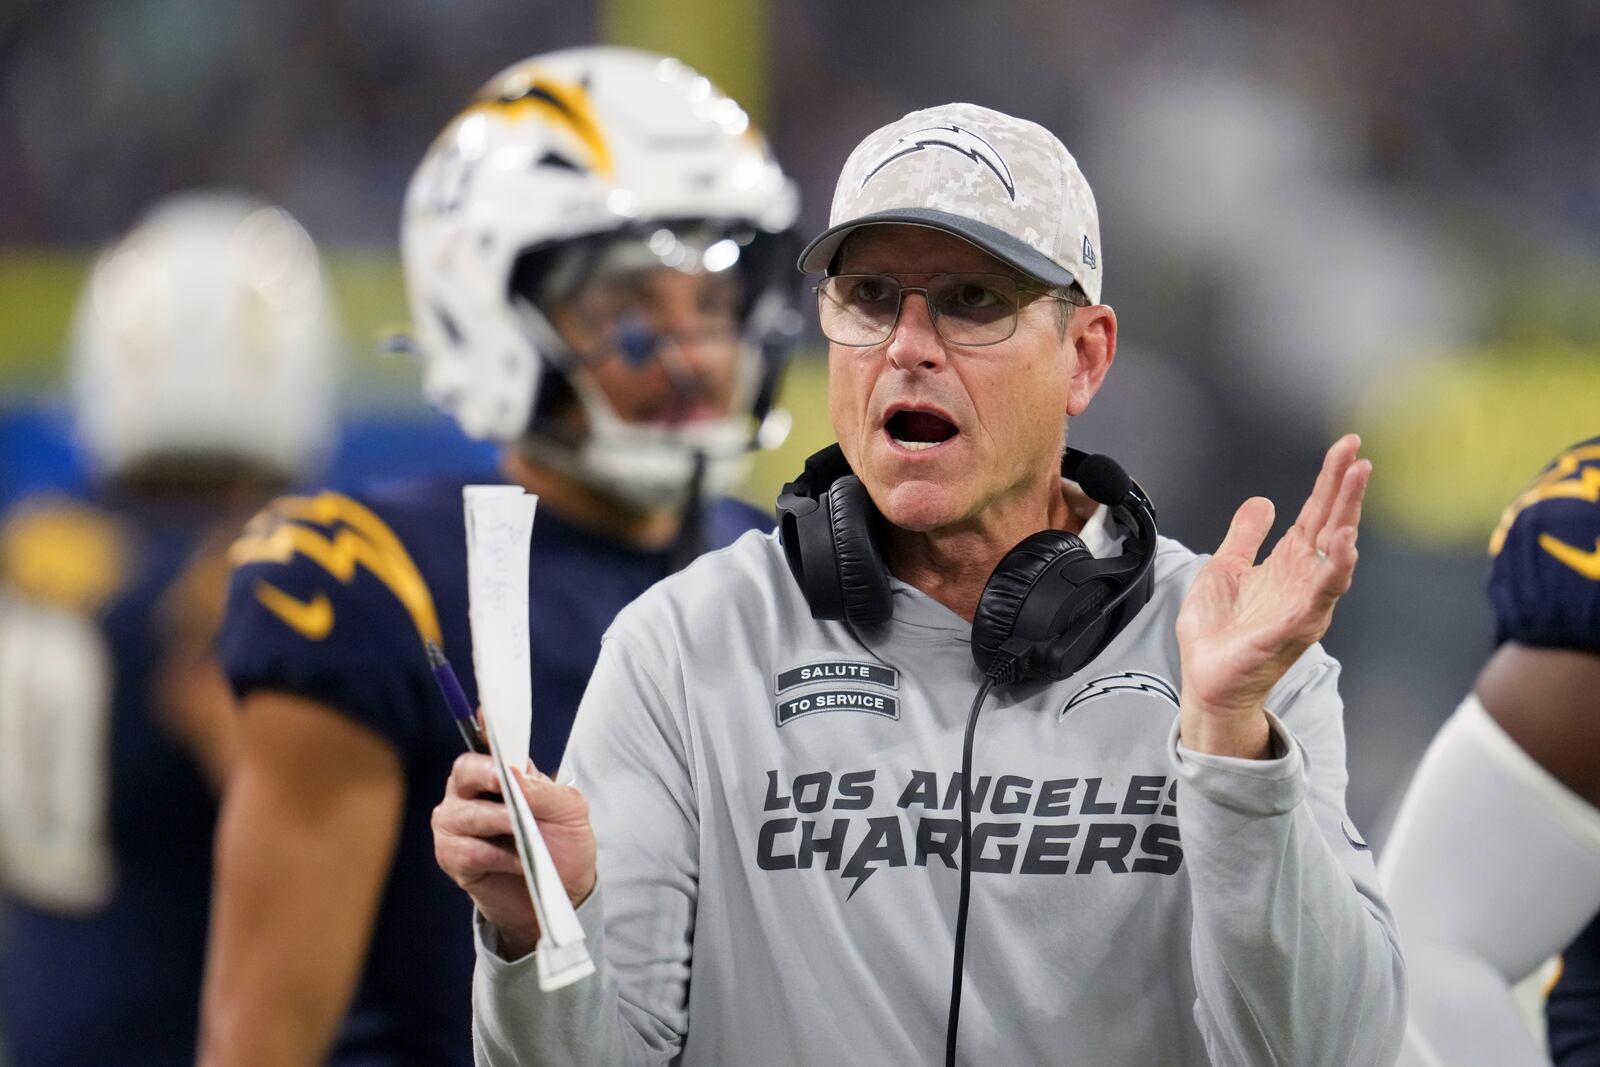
1480	820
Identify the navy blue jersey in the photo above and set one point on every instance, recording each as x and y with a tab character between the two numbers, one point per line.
1572	1009
1545	580
105	819
331	599
1545	587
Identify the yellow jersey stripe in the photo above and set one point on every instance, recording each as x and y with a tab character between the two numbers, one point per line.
361	539
1567	478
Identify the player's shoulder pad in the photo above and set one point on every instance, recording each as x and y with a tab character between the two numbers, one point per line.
64	551
332	535
1545	578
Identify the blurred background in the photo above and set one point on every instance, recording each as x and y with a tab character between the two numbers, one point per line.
1351	215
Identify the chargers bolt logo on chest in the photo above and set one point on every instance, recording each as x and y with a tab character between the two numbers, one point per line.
1122	682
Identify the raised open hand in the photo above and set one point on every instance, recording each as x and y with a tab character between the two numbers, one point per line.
1244	623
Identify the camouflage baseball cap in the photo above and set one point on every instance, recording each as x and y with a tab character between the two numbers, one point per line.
1007	185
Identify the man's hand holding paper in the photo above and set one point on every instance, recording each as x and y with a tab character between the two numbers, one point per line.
527	861
473	843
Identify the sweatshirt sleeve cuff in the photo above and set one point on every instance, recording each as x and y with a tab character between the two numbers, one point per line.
488	942
1247	786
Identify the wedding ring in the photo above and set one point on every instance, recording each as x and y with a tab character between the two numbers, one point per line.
1322	557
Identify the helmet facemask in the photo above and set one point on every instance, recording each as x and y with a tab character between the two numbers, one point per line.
670	342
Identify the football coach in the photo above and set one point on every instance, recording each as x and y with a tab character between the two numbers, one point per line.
790	835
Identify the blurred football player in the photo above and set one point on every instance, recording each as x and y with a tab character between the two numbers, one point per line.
203	370
1494	862
597	257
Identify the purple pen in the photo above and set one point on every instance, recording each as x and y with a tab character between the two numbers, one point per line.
456	700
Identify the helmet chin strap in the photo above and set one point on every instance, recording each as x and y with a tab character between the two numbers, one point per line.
691	540
642	475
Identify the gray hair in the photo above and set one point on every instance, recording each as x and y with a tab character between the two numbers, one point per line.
1070	298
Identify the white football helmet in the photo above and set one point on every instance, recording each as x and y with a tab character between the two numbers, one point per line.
206	334
590	149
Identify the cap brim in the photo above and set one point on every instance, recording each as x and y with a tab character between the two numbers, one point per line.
1018	253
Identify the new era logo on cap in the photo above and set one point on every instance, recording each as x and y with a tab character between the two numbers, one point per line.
1005	184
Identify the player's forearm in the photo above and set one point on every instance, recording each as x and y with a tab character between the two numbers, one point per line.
275	987
279	973
242	1026
1294	958
304	845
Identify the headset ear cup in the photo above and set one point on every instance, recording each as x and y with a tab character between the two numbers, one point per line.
1013	578
863	578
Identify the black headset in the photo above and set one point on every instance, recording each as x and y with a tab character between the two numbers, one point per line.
1049	607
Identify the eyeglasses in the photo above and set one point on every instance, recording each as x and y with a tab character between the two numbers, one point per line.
861	310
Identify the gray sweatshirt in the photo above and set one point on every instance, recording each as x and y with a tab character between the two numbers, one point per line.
776	804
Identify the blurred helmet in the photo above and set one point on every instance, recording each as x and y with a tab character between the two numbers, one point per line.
562	167
206	335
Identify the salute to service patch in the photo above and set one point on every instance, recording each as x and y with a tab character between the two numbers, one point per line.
836	699
839	671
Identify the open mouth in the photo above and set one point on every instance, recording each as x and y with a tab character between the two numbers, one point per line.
917	430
